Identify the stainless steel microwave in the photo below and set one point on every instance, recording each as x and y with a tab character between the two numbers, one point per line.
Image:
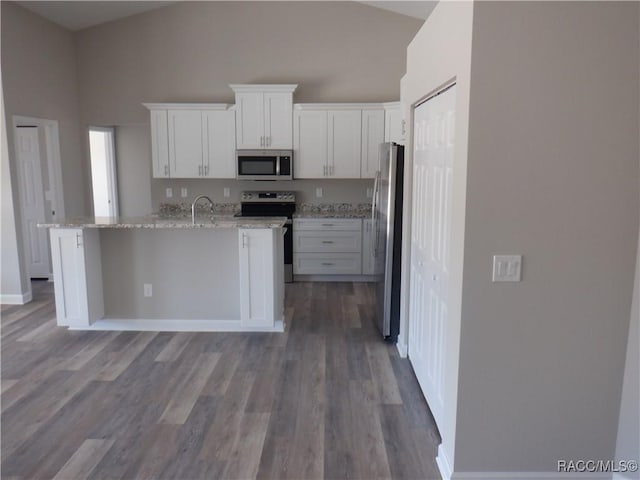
264	164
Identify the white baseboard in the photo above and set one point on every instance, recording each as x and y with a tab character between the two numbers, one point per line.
171	325
334	278
16	299
443	464
402	348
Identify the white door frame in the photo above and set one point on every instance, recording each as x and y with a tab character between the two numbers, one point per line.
55	193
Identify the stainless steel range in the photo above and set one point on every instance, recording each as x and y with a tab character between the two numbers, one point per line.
273	204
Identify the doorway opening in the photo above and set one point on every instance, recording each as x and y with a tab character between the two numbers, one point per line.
103	171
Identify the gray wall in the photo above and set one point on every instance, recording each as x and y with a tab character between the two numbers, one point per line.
552	174
192	51
39	80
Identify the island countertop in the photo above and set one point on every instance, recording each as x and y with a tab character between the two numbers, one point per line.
152	221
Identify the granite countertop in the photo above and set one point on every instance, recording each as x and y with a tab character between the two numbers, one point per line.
348	214
333	210
153	221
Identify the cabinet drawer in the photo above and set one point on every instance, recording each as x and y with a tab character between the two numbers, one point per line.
331	241
327	264
325	224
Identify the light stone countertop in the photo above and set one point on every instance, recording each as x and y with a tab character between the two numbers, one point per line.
349	214
204	221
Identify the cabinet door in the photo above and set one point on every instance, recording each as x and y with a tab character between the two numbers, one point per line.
278	114
185	143
77	276
393	125
250	120
257	274
310	144
344	143
220	144
159	144
372	137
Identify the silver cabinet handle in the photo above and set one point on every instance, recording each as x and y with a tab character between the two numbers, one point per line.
245	240
327	224
331	170
327	241
78	240
206	170
325	171
327	264
199	170
166	170
268	141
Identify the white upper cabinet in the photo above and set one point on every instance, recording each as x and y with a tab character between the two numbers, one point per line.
264	115
344	148
372	137
310	144
192	140
337	140
185	143
393	123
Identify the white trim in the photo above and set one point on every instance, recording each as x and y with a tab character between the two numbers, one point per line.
391	104
188	106
402	348
338	106
282	88
444	465
16	299
175	325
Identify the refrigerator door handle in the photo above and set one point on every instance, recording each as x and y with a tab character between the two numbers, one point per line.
374	213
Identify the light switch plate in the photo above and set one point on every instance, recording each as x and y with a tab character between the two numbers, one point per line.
507	268
169	192
183	192
227	192
148	290
319	192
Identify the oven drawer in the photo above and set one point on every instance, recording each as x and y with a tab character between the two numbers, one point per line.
327	264
307	241
328	224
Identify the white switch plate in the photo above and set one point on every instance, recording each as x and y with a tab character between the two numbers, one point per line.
507	268
319	192
183	192
227	192
148	290
169	192
369	192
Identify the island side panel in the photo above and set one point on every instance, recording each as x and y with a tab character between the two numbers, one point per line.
193	273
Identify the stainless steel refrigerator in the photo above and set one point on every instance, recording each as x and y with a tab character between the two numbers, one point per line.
386	216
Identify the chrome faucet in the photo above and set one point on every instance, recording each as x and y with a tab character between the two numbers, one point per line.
193	206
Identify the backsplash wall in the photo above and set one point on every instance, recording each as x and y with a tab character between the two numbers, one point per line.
352	191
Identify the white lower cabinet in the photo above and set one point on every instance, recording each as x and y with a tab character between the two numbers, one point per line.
77	274
327	246
261	277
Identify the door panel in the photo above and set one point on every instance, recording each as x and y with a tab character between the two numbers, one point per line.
35	241
249	120
185	143
372	137
310	144
344	137
220	144
434	142
277	120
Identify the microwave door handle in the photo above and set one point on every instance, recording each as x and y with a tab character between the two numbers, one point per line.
278	166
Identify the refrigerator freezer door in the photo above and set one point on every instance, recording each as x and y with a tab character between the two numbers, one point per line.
383	226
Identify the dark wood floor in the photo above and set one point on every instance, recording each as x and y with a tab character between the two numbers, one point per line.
326	399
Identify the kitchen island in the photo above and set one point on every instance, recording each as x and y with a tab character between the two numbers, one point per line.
219	273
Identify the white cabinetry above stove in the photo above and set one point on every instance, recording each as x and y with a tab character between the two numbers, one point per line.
264	116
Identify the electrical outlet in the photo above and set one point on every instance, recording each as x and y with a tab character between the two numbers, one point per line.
319	192
227	192
169	192
183	192
369	192
148	290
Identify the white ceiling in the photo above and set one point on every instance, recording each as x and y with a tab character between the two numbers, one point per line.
76	15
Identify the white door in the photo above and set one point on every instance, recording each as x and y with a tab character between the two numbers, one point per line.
250	120
434	142
310	144
220	143
344	148
103	172
160	143
185	143
257	277
278	120
36	247
372	137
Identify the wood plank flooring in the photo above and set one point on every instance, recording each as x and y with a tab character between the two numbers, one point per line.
326	399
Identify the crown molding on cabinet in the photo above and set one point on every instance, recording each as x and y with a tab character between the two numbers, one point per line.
189	106
343	106
271	88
